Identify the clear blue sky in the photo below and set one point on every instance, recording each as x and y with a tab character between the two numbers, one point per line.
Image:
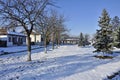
83	15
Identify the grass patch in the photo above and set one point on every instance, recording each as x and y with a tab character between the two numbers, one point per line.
103	57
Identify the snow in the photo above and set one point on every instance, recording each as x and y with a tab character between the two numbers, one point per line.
16	48
117	77
16	33
72	39
68	62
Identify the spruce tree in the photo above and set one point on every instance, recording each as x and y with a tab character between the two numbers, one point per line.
115	28
81	40
115	23
86	39
104	34
118	37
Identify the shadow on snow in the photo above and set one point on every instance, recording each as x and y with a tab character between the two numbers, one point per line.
53	68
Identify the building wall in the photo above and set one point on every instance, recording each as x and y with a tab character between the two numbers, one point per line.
3	37
13	40
35	38
9	42
10	38
6	38
38	38
32	38
24	43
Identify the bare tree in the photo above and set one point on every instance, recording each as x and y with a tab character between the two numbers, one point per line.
44	27
57	27
60	29
47	25
23	12
54	19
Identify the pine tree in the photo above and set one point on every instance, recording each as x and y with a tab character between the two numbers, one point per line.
115	28
115	23
86	40
118	37
104	35
81	40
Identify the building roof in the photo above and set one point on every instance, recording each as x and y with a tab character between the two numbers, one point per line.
5	32
15	33
72	39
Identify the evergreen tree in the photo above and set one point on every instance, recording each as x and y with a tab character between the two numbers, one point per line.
115	23
81	40
86	40
118	37
104	35
115	28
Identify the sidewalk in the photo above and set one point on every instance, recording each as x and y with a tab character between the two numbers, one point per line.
16	49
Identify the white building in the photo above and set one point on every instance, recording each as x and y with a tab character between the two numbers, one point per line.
36	38
70	41
8	38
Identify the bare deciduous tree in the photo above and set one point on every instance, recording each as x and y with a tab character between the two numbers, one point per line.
50	26
60	29
23	12
57	27
44	28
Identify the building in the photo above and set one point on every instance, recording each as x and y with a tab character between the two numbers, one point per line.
70	41
9	38
36	38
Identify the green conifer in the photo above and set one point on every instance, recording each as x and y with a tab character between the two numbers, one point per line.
81	40
104	40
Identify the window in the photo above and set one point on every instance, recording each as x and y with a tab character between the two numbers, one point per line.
9	39
42	39
24	39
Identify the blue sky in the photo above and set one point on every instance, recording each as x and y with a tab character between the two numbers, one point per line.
83	15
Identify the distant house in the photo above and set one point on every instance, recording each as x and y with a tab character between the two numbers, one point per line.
70	41
9	38
36	38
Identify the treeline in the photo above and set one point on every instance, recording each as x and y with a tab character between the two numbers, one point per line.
108	34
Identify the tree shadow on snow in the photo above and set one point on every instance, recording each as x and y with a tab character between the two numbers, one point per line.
52	68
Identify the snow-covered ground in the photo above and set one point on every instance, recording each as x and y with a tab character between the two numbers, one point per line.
65	63
16	48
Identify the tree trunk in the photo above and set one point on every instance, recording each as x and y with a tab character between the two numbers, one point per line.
45	44
53	45
58	39
29	48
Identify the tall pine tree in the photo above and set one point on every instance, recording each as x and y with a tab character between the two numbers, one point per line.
116	31
104	34
81	40
118	37
115	23
86	39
